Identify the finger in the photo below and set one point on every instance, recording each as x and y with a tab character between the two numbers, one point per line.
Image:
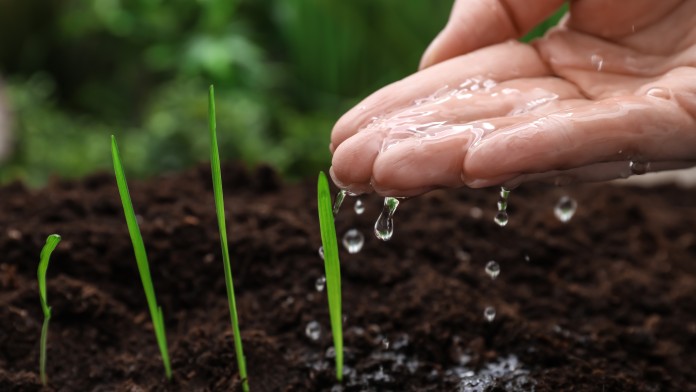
596	172
612	19
482	65
422	147
474	24
617	128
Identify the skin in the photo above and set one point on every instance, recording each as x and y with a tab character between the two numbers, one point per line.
617	82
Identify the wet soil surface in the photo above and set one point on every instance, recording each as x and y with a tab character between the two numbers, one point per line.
606	302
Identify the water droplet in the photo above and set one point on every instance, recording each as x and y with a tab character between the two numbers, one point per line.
501	218
359	207
638	167
385	344
320	283
353	241
384	227
321	252
339	200
597	62
493	269
527	258
489	313
313	330
565	209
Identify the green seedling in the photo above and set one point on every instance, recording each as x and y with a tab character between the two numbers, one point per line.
220	210
332	267
141	258
51	243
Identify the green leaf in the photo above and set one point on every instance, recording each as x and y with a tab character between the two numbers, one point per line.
332	267
51	243
141	258
220	211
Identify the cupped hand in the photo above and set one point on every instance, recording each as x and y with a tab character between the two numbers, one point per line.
609	92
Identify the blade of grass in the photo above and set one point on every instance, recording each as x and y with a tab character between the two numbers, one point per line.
141	258
220	211
51	243
332	267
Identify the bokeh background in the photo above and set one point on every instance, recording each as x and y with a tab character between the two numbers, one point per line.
76	71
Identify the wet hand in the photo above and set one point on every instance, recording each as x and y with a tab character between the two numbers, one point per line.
610	92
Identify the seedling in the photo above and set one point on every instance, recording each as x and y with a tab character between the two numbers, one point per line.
51	243
141	258
332	268
220	210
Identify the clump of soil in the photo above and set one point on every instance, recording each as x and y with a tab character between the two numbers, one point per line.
606	302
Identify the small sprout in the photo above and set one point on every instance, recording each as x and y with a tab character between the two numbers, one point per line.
51	243
332	268
220	210
141	258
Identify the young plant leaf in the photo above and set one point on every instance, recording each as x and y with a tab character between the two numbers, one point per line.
332	267
51	243
141	258
220	211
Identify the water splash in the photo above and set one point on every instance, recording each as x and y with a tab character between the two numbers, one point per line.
384	227
438	116
321	252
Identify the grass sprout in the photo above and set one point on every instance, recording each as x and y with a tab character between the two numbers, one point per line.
220	210
141	258
51	243
332	267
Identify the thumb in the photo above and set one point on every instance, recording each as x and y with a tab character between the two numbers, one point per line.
474	24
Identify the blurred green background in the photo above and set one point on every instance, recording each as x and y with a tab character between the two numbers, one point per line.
76	71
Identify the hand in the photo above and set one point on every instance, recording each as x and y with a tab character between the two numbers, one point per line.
614	83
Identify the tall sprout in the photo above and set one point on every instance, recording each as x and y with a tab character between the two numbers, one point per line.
141	258
332	268
220	210
51	243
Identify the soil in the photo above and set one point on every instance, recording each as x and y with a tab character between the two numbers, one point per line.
606	302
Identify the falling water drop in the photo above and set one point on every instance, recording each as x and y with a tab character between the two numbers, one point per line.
493	269
527	258
321	252
359	207
489	313
320	283
638	167
339	200
353	241
501	218
565	209
313	330
384	227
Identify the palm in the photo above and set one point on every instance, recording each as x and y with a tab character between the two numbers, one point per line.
585	100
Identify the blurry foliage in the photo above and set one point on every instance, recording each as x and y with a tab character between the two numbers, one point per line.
80	70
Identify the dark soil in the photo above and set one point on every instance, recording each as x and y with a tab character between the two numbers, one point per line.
606	302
